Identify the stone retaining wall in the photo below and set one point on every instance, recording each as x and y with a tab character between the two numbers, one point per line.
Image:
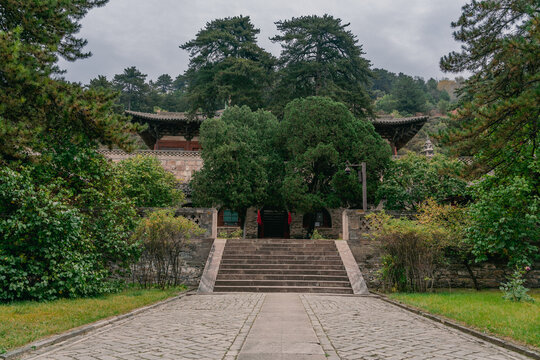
195	253
367	253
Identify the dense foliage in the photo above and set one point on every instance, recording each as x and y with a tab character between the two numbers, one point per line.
498	122
63	223
500	117
319	137
147	183
241	165
38	112
505	219
320	57
227	66
412	179
404	95
414	250
59	239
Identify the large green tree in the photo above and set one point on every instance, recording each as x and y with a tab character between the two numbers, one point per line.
63	221
499	120
227	66
409	94
242	167
33	104
320	57
319	137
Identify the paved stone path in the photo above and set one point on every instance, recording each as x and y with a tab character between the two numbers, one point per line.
276	326
282	331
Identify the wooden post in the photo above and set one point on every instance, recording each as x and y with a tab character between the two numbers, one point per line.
364	188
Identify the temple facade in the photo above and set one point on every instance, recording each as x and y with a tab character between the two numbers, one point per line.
173	138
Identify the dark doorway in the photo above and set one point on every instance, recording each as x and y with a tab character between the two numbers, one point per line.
275	224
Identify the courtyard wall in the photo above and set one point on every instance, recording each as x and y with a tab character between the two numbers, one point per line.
182	164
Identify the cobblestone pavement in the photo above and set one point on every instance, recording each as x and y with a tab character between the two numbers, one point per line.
194	327
216	327
368	328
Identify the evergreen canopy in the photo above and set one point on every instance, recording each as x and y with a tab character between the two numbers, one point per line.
500	117
227	66
320	57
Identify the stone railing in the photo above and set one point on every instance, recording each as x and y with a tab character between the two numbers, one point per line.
116	153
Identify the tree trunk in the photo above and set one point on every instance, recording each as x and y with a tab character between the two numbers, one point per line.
471	274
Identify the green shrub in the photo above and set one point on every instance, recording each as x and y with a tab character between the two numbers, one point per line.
414	249
143	179
505	220
317	235
163	238
44	253
64	226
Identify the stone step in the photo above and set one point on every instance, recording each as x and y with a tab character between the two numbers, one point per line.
279	261
316	277
282	266
282	283
280	257
307	250
278	241
292	289
271	272
279	252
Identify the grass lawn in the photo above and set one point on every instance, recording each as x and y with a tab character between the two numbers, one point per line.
484	310
27	321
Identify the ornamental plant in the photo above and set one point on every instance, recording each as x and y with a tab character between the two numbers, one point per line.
513	289
163	238
411	252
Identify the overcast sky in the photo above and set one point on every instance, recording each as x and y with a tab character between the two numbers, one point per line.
406	36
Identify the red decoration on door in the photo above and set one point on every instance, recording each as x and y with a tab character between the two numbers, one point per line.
289	218
259	219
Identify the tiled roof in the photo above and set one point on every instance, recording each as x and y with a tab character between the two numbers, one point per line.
169	116
400	121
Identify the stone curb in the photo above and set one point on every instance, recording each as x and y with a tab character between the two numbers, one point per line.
489	338
84	329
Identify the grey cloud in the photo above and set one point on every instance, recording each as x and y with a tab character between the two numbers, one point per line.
401	36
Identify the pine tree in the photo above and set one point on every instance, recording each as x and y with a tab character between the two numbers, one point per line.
320	57
227	67
499	120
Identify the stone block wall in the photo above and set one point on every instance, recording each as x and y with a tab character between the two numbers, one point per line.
182	164
194	259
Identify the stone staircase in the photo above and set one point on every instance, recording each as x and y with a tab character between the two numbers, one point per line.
282	265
